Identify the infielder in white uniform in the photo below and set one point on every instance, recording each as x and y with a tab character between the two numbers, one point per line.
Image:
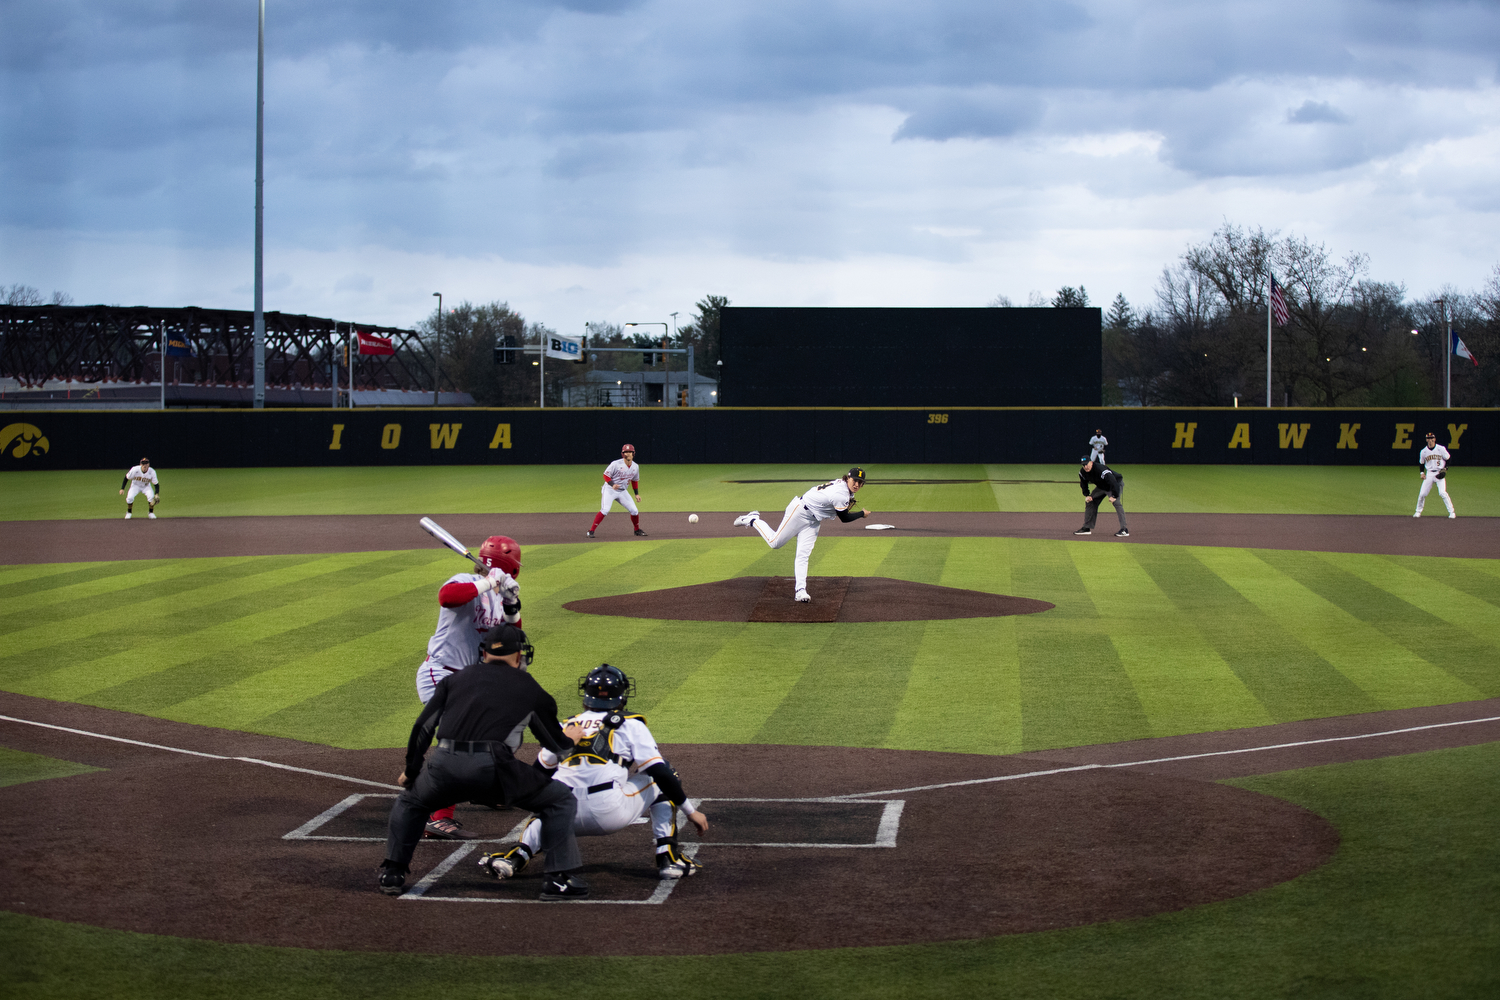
1434	463
802	517
469	605
620	478
617	775
141	479
1097	444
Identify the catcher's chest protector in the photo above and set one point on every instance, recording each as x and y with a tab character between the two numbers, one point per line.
599	747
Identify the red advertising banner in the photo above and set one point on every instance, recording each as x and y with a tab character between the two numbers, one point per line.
371	344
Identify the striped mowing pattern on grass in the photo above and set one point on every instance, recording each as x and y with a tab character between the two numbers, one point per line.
1144	641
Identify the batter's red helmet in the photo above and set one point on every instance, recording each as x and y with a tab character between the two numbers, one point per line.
627	447
501	552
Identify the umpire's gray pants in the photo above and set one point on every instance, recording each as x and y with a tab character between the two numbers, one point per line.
1091	510
452	776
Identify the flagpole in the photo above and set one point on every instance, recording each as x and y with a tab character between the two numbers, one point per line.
333	365
1448	360
163	359
1269	281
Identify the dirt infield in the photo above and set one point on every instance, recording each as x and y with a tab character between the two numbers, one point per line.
186	834
175	538
834	599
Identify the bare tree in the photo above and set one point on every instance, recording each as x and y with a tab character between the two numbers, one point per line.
1321	361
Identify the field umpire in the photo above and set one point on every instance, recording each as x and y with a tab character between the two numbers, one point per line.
478	708
1106	482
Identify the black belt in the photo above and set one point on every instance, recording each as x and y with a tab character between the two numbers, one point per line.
476	746
601	788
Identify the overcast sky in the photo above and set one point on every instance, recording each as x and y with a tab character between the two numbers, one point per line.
618	160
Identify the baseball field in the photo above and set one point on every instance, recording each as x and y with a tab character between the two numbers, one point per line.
1250	751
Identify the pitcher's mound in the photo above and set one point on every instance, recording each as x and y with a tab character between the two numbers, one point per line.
834	599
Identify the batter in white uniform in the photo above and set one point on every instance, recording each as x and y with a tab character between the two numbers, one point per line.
802	517
469	605
617	775
1434	463
1097	444
620	478
141	479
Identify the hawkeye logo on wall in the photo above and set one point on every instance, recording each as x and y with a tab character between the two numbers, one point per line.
21	440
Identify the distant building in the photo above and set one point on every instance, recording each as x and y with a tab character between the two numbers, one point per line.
644	388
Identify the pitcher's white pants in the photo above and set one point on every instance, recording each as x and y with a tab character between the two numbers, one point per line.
796	521
1427	483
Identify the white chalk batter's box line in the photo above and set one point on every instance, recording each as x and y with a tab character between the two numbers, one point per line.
885	836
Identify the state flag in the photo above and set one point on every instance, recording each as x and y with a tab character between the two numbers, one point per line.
1462	349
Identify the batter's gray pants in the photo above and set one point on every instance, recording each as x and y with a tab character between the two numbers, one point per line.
1091	510
451	777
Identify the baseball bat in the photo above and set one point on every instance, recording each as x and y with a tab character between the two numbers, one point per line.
440	533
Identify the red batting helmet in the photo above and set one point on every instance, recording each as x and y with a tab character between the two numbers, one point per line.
627	447
501	552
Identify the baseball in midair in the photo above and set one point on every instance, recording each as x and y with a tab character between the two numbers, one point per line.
692	519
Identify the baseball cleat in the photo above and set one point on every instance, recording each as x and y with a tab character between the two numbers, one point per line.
590	532
638	531
560	885
505	864
1084	531
745	520
390	881
802	597
681	868
1417	514
1122	533
151	516
1452	515
447	829
127	515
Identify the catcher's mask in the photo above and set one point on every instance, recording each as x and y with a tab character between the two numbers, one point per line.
502	640
501	552
605	687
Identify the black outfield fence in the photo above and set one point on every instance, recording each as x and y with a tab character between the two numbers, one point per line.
47	439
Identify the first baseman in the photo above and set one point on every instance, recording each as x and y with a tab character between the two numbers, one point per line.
617	774
620	478
803	514
1434	464
469	605
142	479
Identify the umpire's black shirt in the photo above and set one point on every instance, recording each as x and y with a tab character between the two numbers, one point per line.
1102	477
485	702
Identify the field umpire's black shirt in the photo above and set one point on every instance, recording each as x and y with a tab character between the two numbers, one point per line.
1100	476
486	701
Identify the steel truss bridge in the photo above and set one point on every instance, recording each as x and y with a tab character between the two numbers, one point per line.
117	345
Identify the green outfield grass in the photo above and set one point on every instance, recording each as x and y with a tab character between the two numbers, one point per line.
1407	908
1146	640
1305	489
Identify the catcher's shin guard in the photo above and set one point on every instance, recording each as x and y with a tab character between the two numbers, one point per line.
671	863
506	864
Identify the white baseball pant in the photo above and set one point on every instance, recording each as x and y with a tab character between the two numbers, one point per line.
1442	486
136	489
611	809
609	495
796	521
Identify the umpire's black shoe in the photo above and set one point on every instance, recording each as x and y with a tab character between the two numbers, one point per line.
561	885
638	531
1084	531
1122	533
391	881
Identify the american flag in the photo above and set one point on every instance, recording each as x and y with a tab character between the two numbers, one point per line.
1278	304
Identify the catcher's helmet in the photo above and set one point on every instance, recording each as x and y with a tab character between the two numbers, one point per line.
501	552
857	474
605	687
627	447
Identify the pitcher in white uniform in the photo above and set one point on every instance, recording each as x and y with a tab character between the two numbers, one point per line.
802	517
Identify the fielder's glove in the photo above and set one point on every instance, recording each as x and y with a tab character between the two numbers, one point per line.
1443	474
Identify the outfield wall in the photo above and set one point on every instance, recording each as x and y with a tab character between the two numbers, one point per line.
48	439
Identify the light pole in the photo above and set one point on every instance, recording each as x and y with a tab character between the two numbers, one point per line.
437	358
259	329
1446	323
665	373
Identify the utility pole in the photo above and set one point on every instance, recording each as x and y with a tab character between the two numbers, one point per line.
437	356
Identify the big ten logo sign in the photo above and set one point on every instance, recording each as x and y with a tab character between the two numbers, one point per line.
572	348
22	440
